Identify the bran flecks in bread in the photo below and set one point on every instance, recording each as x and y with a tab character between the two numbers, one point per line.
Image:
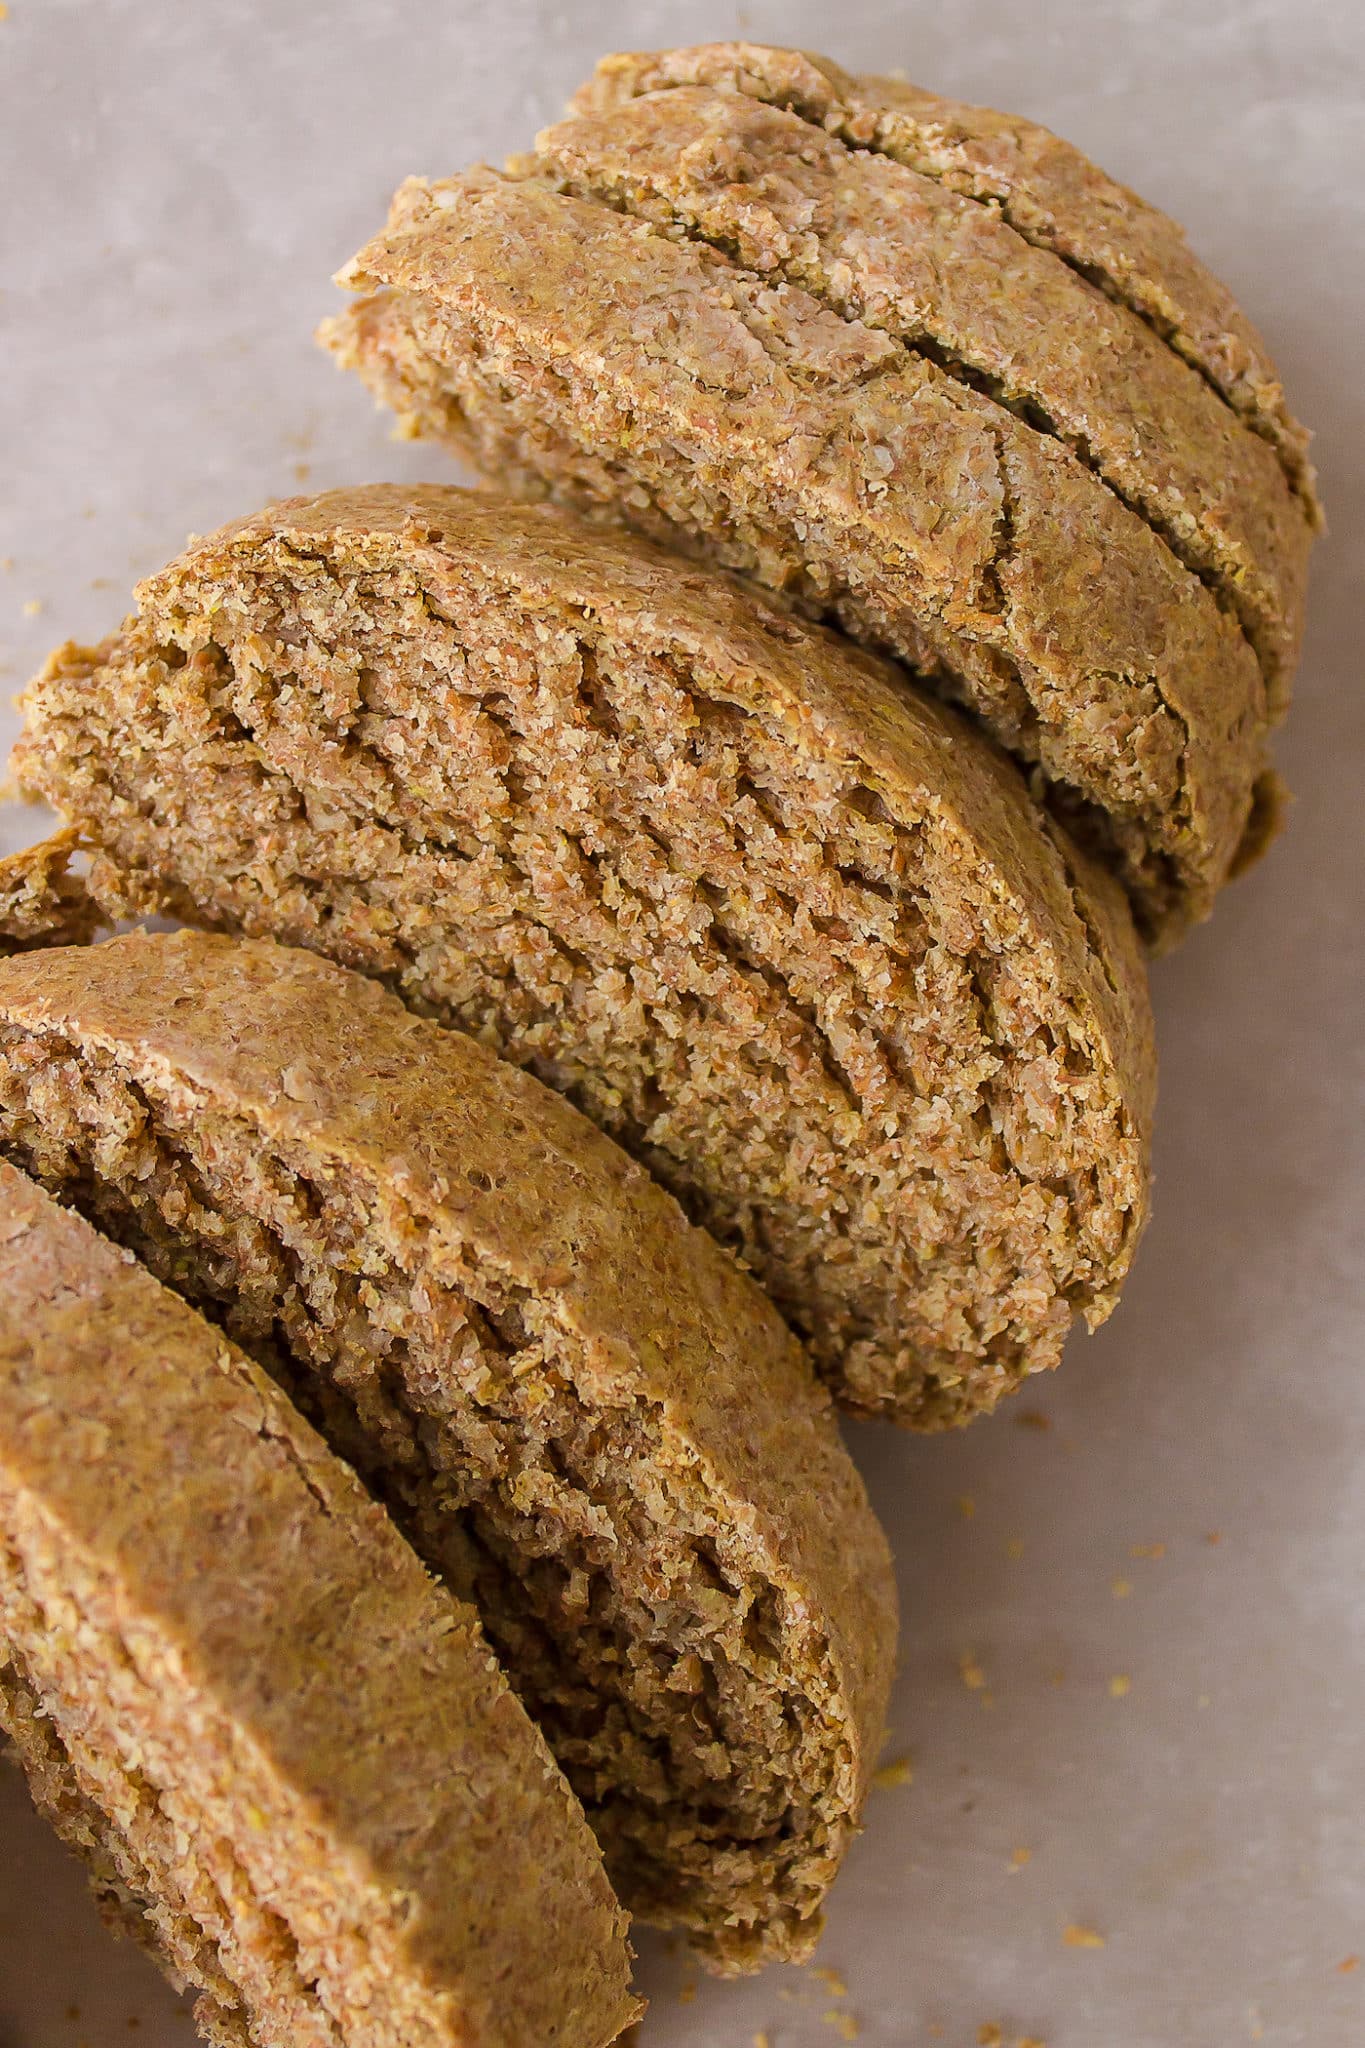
579	1410
798	938
781	350
41	902
287	1755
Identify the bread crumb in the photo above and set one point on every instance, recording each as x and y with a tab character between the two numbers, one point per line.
1121	1588
1030	2041
1347	1964
1214	1536
966	1506
1082	1937
988	2035
836	1984
900	1771
687	1992
1015	1547
1152	1550
6	561
1019	1857
302	471
762	2040
1058	1677
970	1672
4	11
1204	1700
843	2024
1034	1418
32	607
1119	1685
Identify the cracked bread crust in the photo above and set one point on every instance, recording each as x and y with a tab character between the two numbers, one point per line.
799	940
572	350
881	243
581	1412
1045	189
287	1754
41	902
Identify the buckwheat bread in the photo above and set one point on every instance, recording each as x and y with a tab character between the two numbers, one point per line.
41	902
711	318
580	1412
800	940
287	1755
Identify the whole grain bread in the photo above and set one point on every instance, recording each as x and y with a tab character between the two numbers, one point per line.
1049	192
41	902
286	1753
727	325
580	1412
799	939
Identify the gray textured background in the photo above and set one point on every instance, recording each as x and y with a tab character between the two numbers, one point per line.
179	180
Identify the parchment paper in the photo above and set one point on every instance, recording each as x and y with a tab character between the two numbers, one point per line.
179	180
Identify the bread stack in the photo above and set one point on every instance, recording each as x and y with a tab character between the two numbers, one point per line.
679	930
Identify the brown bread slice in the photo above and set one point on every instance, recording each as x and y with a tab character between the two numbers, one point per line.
1045	188
579	1410
288	1756
41	902
568	349
801	941
879	242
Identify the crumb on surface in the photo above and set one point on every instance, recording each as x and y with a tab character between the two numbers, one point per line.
1015	1548
32	607
989	2035
687	1992
1119	1685
1347	1965
843	2023
1121	1588
970	1672
1033	1418
966	1506
833	1981
1213	1536
1076	1936
900	1771
1019	1857
1154	1551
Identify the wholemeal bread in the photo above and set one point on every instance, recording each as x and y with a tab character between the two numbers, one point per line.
716	319
41	902
578	1409
287	1755
800	940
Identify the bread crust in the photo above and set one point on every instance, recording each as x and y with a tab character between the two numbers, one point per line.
196	1595
1045	188
901	252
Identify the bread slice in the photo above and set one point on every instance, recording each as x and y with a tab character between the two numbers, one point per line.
41	902
287	1755
580	1412
798	939
712	319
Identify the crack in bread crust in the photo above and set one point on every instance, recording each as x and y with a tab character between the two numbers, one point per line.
897	252
1047	191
